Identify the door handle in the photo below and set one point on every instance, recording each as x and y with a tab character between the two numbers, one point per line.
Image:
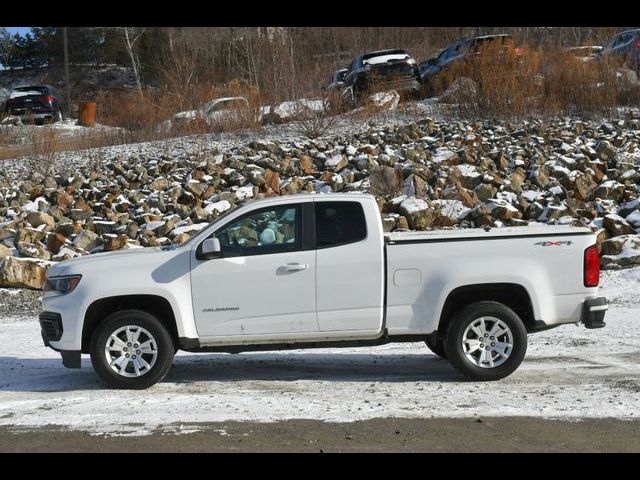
294	267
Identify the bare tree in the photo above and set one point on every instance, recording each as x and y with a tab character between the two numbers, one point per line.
179	65
130	35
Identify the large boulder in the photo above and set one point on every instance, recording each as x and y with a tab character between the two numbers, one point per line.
114	242
86	240
36	219
418	212
55	241
625	255
33	251
384	100
463	90
616	225
28	235
272	181
21	273
4	251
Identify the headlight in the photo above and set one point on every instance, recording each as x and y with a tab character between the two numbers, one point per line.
64	284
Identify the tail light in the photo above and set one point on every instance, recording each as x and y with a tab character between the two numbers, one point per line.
46	99
591	266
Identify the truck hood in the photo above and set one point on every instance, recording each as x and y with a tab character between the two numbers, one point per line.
119	260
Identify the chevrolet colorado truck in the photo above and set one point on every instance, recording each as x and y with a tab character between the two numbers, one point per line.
316	270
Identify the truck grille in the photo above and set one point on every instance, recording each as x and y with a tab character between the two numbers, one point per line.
51	324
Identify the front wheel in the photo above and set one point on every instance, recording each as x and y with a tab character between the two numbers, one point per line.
486	341
131	349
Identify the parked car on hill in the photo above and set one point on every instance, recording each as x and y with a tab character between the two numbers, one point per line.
437	73
332	91
337	80
217	113
585	53
35	103
623	47
379	71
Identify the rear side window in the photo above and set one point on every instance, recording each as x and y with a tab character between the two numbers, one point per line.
339	223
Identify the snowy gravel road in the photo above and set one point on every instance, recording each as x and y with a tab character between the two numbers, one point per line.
568	373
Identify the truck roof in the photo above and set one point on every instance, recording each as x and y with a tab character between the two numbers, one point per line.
309	196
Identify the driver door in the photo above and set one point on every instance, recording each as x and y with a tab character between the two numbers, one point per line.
263	282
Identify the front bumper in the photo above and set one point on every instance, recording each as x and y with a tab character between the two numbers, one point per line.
50	327
593	311
51	330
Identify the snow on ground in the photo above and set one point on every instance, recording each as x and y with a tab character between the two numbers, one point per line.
196	146
569	373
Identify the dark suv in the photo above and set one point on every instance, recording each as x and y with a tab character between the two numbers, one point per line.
624	47
378	71
37	103
436	73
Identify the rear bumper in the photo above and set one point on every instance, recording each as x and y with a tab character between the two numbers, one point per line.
36	114
401	85
593	311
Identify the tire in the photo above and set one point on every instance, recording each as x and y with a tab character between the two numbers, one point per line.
436	347
58	117
471	360
130	374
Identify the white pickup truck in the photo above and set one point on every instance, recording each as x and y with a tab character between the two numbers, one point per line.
312	270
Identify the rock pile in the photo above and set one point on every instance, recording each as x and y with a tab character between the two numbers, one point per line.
426	174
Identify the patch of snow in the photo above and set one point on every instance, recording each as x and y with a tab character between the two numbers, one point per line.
413	205
221	206
442	154
569	373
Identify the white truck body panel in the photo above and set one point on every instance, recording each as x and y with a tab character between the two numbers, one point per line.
548	274
350	282
271	302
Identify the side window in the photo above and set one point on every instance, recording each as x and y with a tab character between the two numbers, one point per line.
459	50
442	56
339	223
269	230
617	41
626	38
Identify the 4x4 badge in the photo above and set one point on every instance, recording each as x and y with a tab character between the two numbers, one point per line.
558	243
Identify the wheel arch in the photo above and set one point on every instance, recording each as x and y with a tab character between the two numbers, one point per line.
512	295
99	310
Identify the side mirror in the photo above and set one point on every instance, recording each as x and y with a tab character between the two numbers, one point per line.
211	248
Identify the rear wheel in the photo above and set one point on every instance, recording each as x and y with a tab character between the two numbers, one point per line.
486	341
58	117
131	349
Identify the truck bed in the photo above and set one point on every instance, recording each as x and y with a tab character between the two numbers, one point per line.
484	234
425	267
